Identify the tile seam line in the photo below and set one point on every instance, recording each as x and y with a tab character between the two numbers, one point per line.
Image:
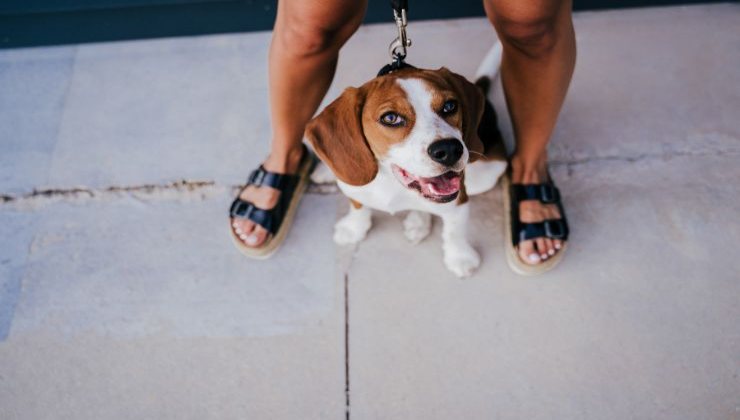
345	278
65	100
346	348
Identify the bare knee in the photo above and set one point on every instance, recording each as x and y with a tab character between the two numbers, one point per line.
533	33
305	39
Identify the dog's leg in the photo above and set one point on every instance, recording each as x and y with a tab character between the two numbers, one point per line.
416	226
322	174
353	227
459	256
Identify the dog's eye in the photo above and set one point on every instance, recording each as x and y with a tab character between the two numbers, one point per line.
392	119
449	107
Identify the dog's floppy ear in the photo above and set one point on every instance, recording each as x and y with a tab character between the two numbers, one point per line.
473	103
337	137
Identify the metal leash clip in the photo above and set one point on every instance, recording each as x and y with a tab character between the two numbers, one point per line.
397	49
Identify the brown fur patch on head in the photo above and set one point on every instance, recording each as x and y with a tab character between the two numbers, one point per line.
385	95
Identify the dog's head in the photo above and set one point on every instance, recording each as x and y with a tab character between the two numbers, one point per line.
421	124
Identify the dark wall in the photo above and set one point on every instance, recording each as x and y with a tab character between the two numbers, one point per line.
52	22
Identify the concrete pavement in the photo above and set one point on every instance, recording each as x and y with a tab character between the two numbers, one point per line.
121	295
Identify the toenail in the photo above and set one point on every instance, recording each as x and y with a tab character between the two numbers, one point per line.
243	237
543	256
551	251
251	239
534	258
557	246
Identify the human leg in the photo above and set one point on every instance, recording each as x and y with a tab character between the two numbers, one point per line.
537	65
303	54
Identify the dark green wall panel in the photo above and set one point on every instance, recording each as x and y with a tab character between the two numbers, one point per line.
54	22
50	6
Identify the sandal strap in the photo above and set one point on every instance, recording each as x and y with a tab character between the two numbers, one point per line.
266	218
262	177
546	193
552	228
272	219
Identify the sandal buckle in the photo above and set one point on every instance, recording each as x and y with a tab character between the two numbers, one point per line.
257	176
549	194
554	229
241	209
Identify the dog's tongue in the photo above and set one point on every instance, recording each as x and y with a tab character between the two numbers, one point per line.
442	186
445	184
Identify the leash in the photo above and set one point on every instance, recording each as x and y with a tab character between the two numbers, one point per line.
398	46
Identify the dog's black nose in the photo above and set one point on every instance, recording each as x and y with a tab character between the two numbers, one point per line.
446	151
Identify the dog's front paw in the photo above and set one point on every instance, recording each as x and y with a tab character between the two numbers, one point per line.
417	226
461	260
351	229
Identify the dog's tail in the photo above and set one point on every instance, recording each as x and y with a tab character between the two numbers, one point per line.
483	174
489	67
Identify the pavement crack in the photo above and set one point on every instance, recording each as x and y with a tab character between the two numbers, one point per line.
78	192
141	192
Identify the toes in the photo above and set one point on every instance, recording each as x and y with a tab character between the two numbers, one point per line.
550	247
257	237
241	227
557	244
247	231
528	253
541	248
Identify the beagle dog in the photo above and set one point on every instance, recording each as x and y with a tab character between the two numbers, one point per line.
417	140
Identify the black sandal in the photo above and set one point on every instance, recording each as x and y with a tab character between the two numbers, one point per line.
278	219
517	231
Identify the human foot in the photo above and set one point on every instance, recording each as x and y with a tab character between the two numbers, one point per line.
264	197
541	229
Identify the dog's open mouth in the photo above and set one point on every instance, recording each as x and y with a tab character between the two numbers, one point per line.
441	189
